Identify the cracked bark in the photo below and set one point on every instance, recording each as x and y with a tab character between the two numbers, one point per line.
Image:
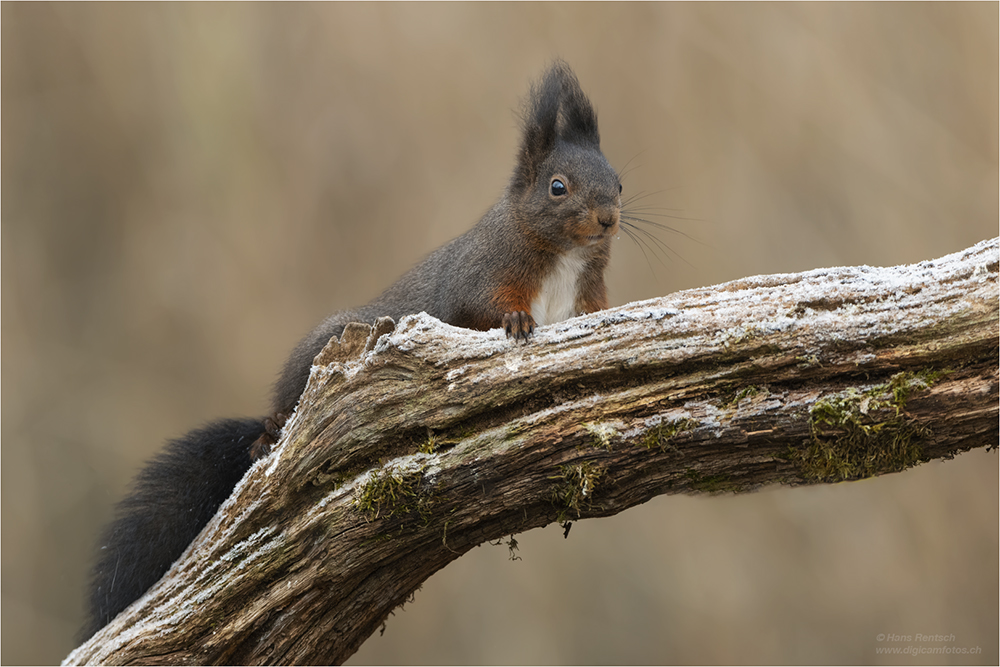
414	443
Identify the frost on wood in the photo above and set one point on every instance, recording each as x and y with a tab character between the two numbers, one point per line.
414	443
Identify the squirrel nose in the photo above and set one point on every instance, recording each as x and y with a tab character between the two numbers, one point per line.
608	220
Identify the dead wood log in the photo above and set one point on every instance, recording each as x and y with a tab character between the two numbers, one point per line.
414	443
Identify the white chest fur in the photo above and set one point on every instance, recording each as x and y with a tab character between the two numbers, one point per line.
556	301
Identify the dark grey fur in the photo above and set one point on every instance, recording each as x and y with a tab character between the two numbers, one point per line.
517	242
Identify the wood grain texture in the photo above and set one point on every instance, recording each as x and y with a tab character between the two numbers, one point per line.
413	444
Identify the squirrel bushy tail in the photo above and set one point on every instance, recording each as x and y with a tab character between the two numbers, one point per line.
172	499
536	257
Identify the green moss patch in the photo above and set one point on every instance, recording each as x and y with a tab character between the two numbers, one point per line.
661	435
575	488
855	435
732	399
389	493
429	445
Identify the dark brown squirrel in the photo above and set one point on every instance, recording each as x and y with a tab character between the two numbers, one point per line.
537	257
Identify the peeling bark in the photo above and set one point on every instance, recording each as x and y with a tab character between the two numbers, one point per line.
414	443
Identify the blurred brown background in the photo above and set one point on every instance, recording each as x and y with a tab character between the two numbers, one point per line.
189	188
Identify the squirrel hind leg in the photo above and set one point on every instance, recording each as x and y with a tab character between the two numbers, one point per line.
261	447
172	499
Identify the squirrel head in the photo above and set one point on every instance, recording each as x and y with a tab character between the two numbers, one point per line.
565	193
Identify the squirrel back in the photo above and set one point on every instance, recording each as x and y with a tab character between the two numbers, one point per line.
536	257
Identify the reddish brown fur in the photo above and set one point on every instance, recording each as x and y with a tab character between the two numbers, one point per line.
486	278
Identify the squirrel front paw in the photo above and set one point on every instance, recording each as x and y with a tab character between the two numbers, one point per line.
518	324
261	447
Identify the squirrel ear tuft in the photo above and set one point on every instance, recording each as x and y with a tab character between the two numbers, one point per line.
578	120
556	108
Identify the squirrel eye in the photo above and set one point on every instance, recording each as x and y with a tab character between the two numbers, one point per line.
619	188
558	188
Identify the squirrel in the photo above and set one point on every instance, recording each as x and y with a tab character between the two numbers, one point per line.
537	257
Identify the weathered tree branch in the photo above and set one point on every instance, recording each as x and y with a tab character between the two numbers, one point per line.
411	446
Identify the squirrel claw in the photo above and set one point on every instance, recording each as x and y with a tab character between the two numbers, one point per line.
261	447
518	324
